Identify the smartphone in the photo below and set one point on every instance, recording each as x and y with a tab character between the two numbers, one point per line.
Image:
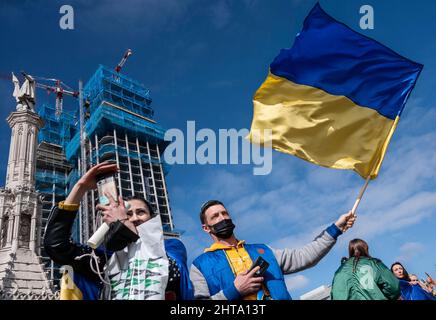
260	262
106	184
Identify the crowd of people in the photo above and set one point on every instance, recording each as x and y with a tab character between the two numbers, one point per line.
136	261
362	277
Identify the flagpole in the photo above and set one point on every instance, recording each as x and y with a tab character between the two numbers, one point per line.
377	164
359	197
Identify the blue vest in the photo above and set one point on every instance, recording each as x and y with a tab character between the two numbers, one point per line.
219	275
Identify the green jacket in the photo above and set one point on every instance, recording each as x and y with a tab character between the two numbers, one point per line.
371	280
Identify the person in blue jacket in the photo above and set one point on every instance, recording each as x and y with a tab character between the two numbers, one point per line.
223	272
410	290
127	242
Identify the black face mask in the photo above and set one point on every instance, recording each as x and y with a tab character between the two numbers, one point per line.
223	229
119	236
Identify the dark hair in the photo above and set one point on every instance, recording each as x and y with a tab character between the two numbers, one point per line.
405	273
150	208
205	206
357	248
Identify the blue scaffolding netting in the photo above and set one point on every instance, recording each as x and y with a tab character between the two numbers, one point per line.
117	101
49	177
56	130
108	85
106	118
113	101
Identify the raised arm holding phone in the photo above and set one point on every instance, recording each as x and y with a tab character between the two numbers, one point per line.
135	235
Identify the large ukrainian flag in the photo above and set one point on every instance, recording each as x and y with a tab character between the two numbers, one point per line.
335	97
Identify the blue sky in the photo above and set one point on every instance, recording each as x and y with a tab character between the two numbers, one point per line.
203	61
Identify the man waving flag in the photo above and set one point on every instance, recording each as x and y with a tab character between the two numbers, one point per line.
335	97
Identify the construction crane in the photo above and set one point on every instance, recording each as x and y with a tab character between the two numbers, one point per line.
58	89
119	66
61	89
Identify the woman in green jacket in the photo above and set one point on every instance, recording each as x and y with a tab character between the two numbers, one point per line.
361	277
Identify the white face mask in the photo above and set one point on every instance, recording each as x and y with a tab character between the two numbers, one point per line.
140	271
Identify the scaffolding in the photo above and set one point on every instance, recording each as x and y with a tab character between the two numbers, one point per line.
120	127
58	131
52	169
123	91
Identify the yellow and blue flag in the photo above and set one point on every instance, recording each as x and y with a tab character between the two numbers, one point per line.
78	287
335	97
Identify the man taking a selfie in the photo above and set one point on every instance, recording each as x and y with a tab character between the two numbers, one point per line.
223	271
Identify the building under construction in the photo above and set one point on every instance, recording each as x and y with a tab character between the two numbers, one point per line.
52	168
118	125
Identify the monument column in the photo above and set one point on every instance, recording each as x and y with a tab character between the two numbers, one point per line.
21	272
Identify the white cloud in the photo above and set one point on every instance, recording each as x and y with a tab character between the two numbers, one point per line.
299	239
402	196
410	250
293	204
220	14
298	207
146	17
151	16
296	282
224	185
194	238
404	214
